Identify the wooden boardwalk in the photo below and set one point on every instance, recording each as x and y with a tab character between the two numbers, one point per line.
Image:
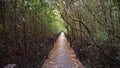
62	55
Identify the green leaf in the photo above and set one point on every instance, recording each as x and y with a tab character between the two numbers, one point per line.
1	26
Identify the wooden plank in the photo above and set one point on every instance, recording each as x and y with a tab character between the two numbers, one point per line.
10	66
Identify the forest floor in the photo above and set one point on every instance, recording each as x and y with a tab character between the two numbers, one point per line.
62	55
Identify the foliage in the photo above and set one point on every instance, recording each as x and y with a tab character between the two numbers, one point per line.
28	29
93	23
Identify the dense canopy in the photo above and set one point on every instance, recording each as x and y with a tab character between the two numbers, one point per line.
29	28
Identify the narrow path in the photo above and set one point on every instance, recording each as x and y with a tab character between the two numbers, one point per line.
62	56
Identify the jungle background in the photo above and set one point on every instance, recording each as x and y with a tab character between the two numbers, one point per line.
29	28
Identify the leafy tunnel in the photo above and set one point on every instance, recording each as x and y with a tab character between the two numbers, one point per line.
29	28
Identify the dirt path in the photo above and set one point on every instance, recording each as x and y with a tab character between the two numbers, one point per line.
62	56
